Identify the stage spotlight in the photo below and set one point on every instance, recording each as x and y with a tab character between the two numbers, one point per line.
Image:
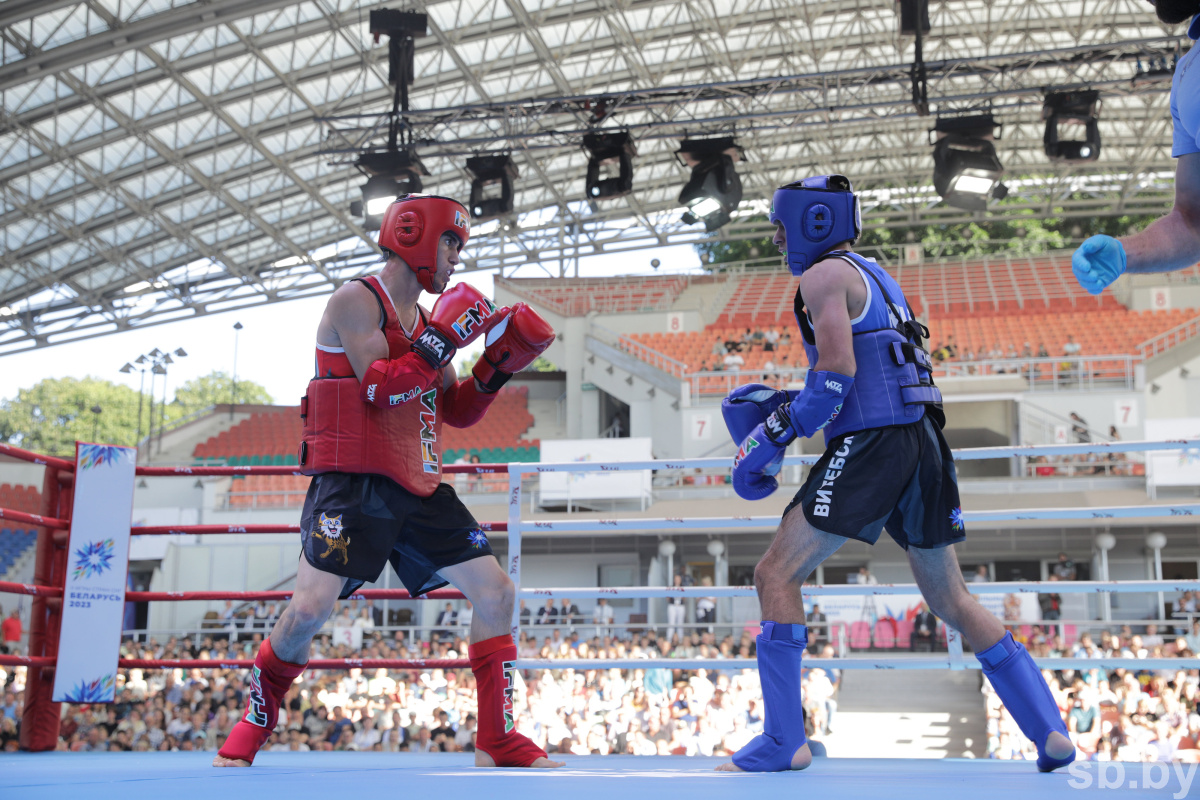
966	169
392	173
714	191
489	174
910	12
1072	113
605	151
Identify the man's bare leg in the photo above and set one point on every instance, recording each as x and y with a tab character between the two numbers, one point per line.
316	594
492	593
941	583
797	550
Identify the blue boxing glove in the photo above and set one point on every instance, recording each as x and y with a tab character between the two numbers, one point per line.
814	407
747	407
1098	262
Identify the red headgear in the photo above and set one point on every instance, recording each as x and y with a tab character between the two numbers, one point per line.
413	225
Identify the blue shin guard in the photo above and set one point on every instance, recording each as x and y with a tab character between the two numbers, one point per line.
780	648
1025	694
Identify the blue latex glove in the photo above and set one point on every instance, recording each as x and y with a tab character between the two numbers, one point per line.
748	406
1098	262
751	479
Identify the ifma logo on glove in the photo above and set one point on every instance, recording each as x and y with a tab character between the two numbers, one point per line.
745	449
469	320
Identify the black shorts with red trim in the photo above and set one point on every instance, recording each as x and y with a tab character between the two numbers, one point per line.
901	478
353	525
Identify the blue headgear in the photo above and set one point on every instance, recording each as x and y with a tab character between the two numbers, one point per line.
817	214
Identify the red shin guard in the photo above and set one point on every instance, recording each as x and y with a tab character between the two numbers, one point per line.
270	679
492	662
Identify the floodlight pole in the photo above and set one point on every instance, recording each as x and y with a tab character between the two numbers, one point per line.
237	329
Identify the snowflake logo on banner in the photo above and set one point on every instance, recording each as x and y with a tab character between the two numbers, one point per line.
97	691
93	559
97	455
478	539
956	519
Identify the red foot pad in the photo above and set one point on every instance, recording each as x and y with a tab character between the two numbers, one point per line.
492	662
270	679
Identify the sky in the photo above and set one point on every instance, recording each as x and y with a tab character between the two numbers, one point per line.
275	345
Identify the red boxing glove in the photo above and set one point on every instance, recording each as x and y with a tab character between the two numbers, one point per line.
512	344
393	381
460	314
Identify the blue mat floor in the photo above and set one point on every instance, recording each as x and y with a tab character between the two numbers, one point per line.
183	776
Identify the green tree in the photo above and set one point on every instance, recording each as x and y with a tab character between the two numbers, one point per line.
1016	234
213	389
50	416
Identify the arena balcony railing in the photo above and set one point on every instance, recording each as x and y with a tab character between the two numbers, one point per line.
1168	339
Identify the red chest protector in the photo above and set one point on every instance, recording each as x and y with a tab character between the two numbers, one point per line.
344	434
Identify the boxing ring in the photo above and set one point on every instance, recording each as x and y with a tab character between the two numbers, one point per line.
37	773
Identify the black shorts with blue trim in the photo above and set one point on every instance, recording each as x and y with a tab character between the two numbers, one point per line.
353	525
901	478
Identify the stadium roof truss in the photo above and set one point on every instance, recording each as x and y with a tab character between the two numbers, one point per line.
162	159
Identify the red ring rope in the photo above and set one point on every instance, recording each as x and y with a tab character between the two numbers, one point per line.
163	472
36	458
364	594
35	519
29	588
245	663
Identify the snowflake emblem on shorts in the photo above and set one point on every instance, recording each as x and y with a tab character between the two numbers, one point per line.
93	558
956	519
478	539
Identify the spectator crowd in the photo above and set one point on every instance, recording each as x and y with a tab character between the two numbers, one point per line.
1113	714
602	711
1120	714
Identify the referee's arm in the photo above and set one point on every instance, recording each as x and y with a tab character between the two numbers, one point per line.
1171	242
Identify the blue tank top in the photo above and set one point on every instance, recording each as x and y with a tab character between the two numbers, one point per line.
1185	99
893	382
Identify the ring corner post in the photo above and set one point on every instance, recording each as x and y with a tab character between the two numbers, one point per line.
41	716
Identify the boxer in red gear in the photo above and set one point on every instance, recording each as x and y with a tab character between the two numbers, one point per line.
376	457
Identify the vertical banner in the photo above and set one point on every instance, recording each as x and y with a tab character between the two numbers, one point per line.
94	596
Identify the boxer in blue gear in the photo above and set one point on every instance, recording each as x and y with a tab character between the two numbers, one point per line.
1171	242
886	466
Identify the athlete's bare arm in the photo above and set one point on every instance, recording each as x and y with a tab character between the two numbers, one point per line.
1171	242
832	289
351	321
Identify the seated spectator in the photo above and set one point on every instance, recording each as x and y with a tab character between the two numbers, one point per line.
770	340
1064	568
924	631
569	613
547	614
1193	638
444	622
733	361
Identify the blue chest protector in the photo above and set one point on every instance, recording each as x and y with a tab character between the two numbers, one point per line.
893	381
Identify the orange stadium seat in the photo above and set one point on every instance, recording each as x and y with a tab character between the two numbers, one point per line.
19	498
981	304
271	438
